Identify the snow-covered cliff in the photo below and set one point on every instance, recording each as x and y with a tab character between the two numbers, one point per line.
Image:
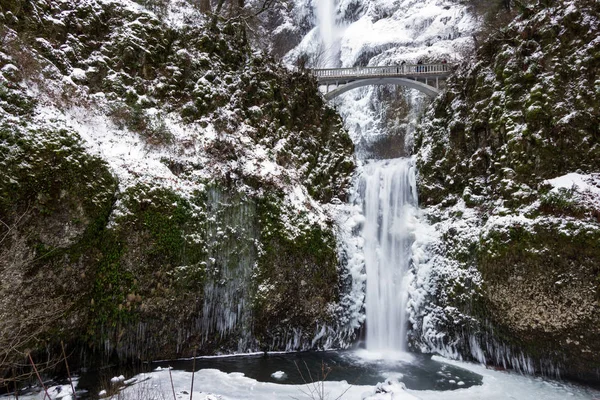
164	187
494	154
381	32
509	159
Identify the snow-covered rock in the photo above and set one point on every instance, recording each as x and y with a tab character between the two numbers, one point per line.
155	164
508	162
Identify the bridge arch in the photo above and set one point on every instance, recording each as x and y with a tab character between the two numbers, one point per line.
413	84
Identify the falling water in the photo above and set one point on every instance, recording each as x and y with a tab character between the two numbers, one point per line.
327	29
390	200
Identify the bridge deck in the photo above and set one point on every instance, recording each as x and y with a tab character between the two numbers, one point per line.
410	71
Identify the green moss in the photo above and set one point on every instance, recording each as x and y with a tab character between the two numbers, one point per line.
139	260
528	106
58	199
127	260
164	221
49	171
297	276
528	272
15	102
111	285
561	203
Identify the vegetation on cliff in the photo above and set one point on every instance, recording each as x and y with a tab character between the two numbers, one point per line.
524	111
147	162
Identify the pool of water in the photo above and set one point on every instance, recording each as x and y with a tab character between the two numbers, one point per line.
350	375
418	372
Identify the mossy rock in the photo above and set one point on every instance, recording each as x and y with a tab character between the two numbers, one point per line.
538	291
297	278
56	199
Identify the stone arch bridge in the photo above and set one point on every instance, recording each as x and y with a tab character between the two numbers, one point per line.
423	77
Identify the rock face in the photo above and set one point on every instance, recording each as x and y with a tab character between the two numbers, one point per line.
380	119
525	111
162	188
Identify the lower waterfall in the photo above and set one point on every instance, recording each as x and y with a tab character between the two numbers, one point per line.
389	196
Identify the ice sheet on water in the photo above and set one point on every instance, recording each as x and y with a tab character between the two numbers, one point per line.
368	356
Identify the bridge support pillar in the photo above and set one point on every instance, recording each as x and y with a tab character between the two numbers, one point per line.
437	83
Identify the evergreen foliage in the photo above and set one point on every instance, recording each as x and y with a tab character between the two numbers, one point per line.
525	110
125	264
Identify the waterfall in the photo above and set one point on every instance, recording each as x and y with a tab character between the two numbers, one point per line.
390	202
387	191
327	30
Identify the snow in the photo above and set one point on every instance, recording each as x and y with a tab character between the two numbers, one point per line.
221	385
579	182
57	392
349	218
117	379
63	103
215	384
182	13
279	375
385	32
134	161
409	31
78	74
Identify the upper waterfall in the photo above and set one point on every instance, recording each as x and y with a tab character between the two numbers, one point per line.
327	28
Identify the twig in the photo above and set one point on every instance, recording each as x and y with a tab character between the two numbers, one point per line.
10	228
7	232
349	387
315	387
193	372
15	383
312	393
303	380
39	378
323	376
317	391
172	387
62	345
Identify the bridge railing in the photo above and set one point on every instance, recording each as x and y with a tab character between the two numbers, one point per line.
391	70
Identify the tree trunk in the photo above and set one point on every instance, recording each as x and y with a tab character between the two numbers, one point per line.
219	7
205	6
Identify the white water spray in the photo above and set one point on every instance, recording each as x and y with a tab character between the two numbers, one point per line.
390	200
327	30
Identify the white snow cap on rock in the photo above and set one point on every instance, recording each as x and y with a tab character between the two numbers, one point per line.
581	183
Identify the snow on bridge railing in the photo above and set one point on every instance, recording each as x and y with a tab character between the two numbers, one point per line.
390	70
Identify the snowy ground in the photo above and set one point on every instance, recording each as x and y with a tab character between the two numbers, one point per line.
212	384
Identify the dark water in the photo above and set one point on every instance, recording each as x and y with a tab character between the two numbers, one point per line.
421	373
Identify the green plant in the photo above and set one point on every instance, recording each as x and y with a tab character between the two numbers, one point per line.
561	202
